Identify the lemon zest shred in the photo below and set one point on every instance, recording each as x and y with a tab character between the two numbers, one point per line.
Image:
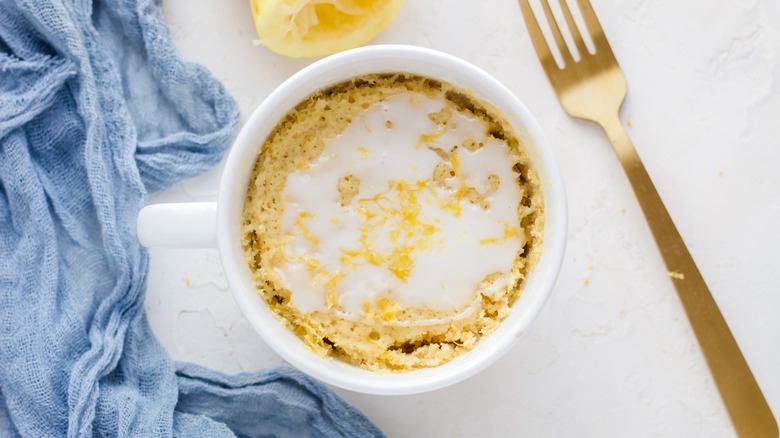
305	230
311	264
365	125
293	259
430	138
369	311
363	152
509	232
389	309
330	286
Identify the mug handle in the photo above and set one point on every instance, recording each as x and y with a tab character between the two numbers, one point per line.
179	225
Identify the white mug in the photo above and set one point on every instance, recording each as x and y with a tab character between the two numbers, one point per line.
218	224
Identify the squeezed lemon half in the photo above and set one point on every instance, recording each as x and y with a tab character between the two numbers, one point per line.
302	28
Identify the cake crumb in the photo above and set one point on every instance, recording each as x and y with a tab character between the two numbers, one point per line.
720	171
585	282
493	182
441	172
348	187
633	195
590	266
676	275
623	210
441	117
187	281
472	145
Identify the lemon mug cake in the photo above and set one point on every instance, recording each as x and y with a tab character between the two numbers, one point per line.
390	221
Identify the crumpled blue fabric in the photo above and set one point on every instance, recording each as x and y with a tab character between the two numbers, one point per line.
96	110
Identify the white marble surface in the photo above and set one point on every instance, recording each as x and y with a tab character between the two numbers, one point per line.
611	354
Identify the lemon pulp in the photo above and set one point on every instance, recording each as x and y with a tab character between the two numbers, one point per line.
303	28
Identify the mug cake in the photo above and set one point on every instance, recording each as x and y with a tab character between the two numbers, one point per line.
390	221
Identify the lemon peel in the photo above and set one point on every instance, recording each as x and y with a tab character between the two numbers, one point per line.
305	28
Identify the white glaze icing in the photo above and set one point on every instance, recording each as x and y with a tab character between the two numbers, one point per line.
402	237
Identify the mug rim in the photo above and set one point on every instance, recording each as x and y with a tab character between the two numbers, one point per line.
266	324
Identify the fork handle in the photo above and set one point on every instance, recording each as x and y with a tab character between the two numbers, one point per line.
744	401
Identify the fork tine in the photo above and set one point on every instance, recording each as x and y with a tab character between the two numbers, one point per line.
537	38
564	49
575	33
594	27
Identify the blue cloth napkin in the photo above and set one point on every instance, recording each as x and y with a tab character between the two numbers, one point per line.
97	109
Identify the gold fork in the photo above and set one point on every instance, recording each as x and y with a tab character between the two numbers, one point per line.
593	88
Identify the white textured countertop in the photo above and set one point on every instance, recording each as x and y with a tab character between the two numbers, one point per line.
612	353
